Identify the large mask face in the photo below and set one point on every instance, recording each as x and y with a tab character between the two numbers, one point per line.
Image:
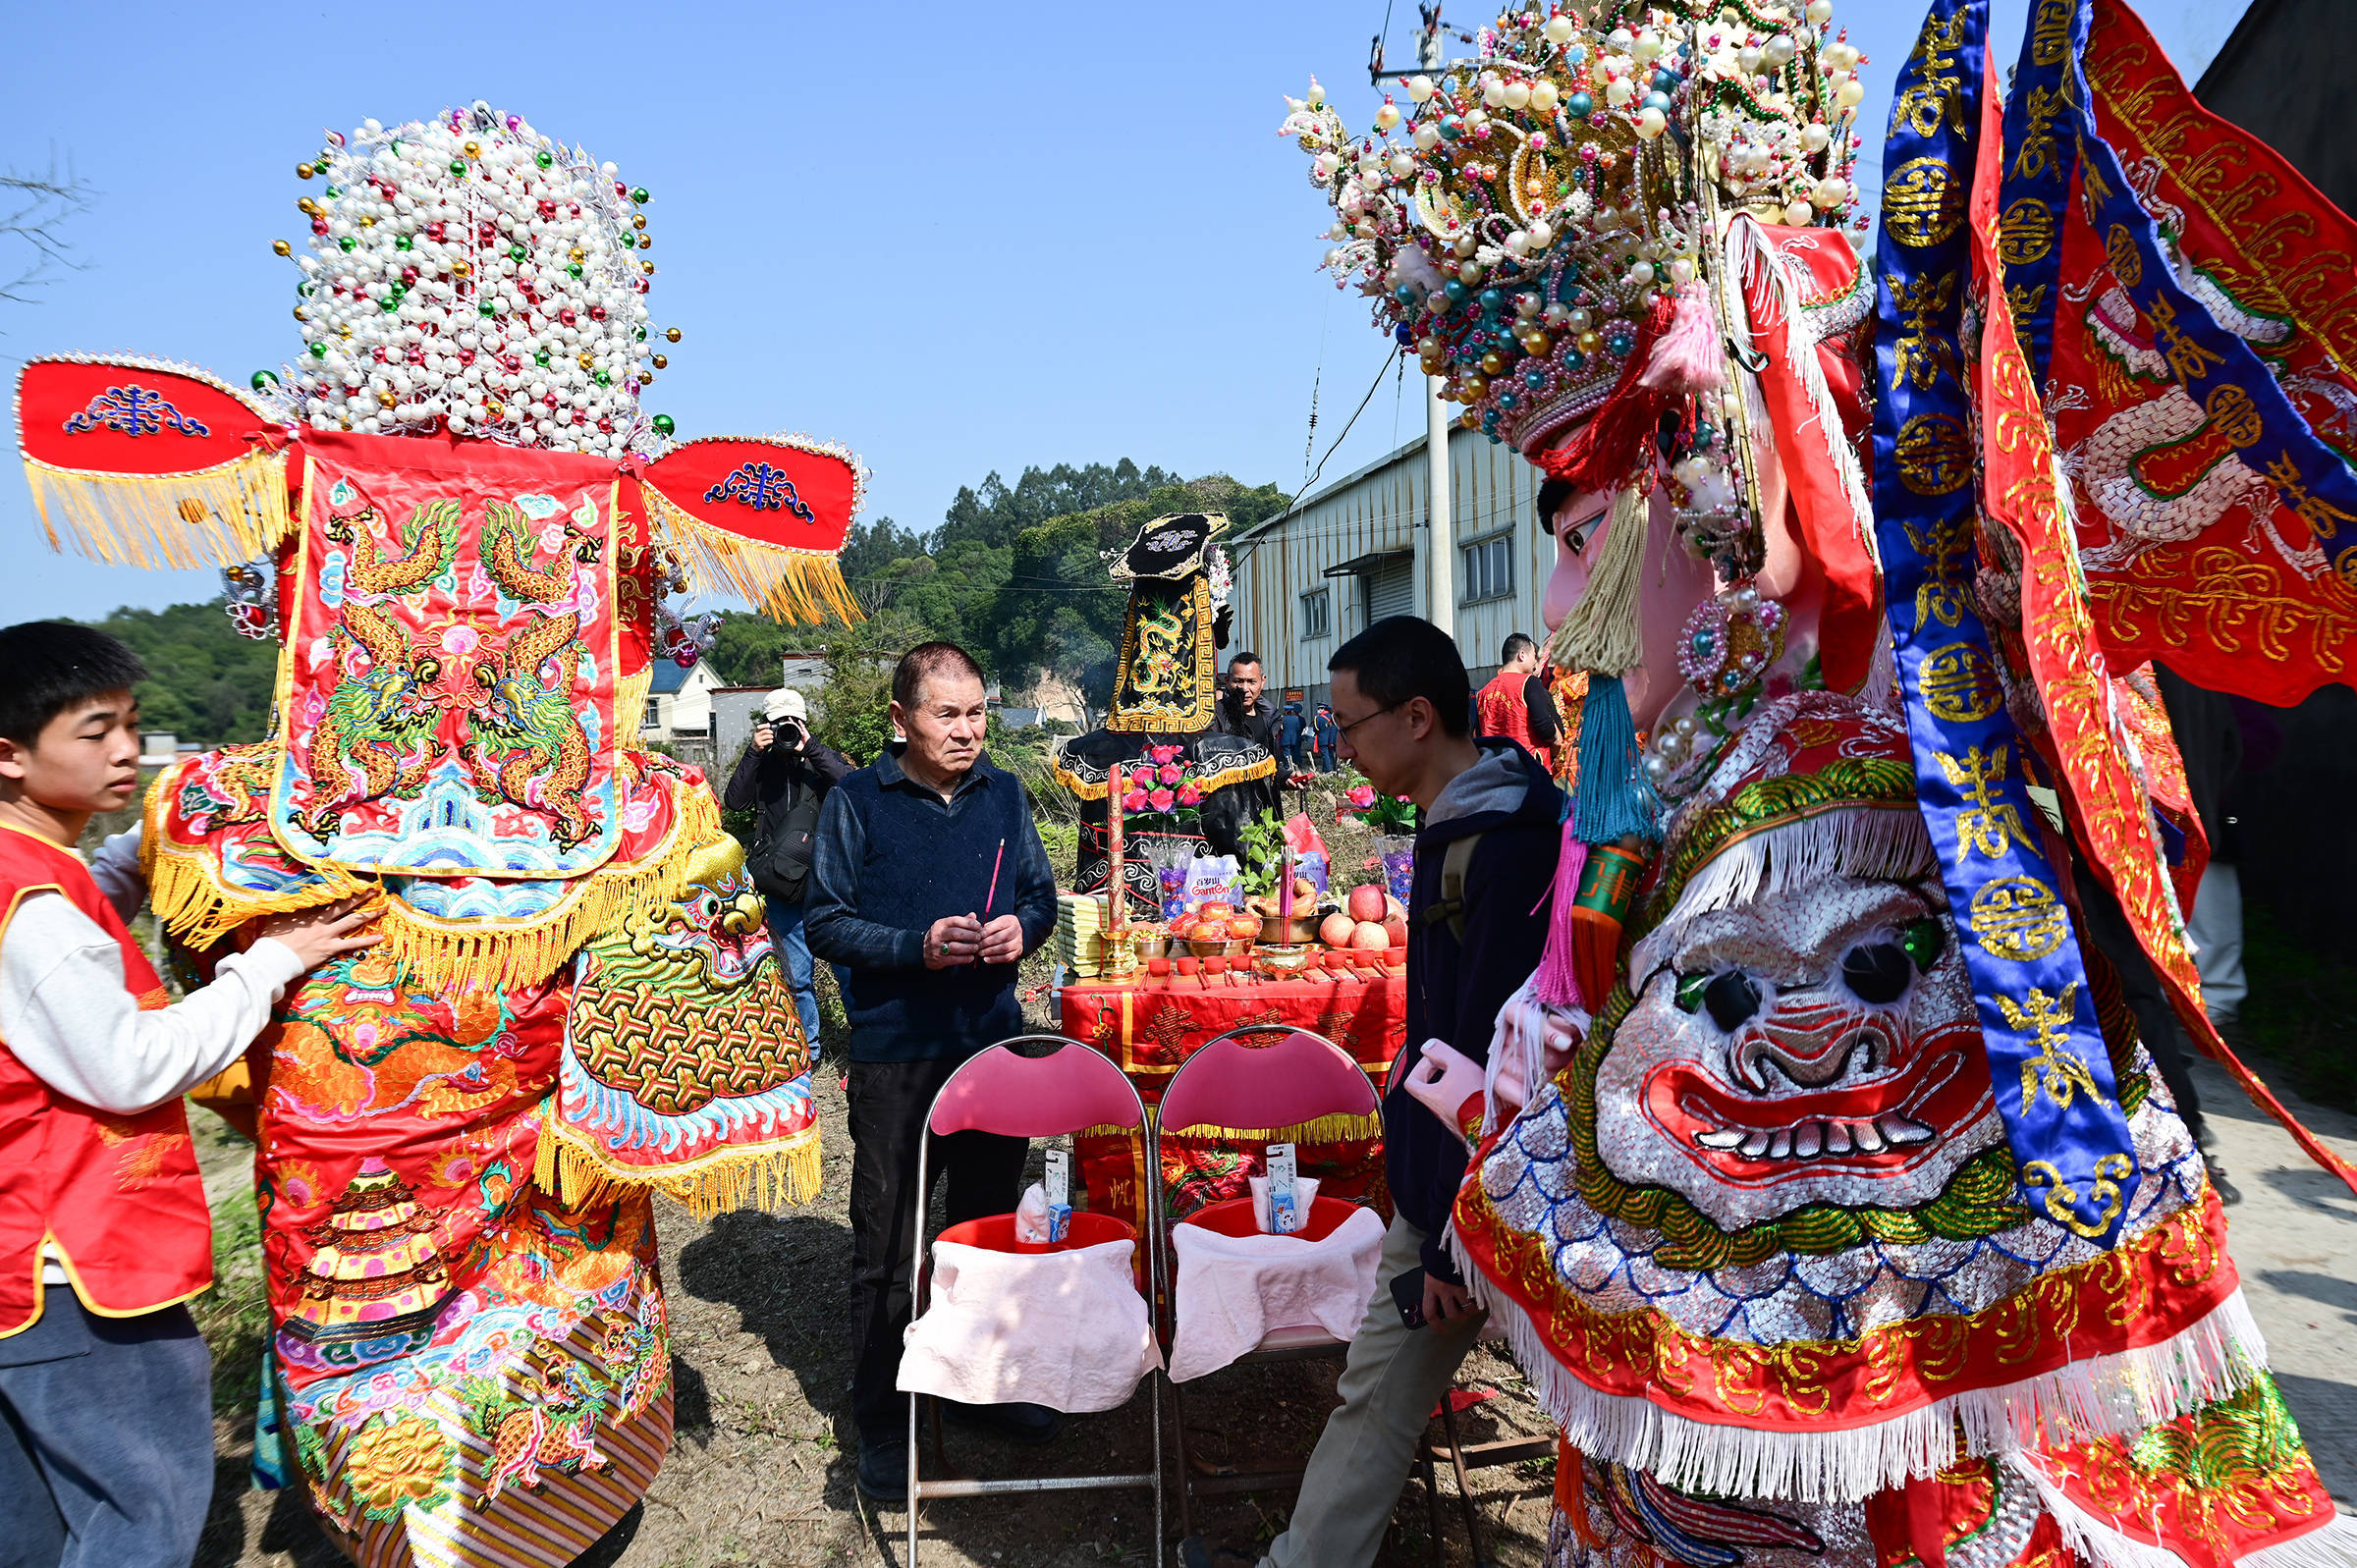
1815	1046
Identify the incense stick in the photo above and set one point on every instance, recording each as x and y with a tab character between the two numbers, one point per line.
991	896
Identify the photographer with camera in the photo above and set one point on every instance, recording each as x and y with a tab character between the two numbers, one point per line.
787	774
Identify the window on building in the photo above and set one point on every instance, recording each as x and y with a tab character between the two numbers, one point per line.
654	713
1487	568
1317	613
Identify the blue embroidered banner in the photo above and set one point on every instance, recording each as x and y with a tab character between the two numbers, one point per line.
2046	1061
2051	130
2034	196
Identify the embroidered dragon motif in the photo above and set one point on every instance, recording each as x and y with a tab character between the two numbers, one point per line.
525	727
381	719
428	545
508	556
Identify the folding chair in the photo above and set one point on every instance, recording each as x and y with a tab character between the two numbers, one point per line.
1067	1089
1294	1077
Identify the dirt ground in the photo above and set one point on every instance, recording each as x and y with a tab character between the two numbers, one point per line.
761	1473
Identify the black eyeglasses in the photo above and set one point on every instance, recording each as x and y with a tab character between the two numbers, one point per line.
1343	729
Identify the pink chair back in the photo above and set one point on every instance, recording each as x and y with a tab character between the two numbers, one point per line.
1293	1078
1037	1097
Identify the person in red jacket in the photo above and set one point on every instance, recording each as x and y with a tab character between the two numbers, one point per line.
106	1433
1515	705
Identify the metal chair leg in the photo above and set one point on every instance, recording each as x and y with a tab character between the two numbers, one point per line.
1186	1485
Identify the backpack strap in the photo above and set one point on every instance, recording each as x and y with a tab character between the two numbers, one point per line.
1456	861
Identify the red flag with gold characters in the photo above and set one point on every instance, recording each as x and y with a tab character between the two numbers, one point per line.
2191	555
2088	730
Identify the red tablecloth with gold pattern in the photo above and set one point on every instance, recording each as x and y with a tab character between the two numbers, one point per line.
1149	1026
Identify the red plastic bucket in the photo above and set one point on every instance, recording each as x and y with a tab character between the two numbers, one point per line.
1235	1218
996	1233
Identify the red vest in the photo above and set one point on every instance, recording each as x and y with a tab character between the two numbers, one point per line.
1504	711
120	1195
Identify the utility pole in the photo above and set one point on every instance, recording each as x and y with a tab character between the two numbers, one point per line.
1440	564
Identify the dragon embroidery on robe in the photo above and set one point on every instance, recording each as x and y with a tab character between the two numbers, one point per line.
526	730
381	718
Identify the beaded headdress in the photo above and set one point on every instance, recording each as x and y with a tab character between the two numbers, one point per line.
1527	224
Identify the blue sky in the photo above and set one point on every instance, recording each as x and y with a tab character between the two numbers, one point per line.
958	237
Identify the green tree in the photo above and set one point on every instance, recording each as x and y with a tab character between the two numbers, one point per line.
205	682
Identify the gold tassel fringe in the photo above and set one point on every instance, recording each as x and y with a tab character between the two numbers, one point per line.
1239	774
567	1165
786	584
1323	1130
1601	633
215	516
195	906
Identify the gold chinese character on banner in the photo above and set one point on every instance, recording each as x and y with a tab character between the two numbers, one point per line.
1986	823
2017	918
1959	685
2057	1071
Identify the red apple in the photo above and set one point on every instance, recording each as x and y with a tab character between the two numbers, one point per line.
1334	930
1371	937
1243	928
1367	903
1393	908
1395	926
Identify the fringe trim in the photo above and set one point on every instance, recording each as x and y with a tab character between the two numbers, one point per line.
2332	1546
1877	844
1600	633
630	702
213	516
196	907
2102	1545
1241	772
2103	1396
786	584
567	1165
1342	1128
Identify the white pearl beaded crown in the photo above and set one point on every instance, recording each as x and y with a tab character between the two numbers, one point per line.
468	273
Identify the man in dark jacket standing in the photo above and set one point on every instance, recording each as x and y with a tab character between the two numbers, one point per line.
1242	710
1401	703
787	774
929	887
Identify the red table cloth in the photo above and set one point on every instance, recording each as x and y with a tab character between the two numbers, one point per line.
1149	1026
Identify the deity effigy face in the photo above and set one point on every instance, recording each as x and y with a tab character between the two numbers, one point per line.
1814	1046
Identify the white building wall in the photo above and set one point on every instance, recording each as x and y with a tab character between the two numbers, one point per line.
1380	508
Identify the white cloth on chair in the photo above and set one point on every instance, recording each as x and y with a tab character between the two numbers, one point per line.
1065	1329
1233	1292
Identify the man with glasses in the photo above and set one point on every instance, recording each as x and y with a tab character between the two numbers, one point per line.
1476	923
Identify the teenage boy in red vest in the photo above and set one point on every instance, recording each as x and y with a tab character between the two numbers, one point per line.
106	1433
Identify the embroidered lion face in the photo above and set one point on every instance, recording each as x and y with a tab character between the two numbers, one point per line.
1818	1045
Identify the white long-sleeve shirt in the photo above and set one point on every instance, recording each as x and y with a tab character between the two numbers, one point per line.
67	1014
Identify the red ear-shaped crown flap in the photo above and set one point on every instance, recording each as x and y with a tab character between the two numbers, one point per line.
148	464
763	517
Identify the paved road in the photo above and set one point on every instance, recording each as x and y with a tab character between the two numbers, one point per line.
2294	1237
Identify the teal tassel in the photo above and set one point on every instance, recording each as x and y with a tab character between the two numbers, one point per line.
1614	800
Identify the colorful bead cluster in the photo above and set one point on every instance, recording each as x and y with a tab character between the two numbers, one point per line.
1531	210
468	273
1729	641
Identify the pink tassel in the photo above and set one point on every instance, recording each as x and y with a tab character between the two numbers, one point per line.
1556	984
1688	358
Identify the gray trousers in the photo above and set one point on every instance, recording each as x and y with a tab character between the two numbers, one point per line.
106	1438
1393	1379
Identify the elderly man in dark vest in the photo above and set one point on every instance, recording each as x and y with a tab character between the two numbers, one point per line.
929	886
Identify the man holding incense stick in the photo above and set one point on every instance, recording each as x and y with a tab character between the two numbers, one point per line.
929	886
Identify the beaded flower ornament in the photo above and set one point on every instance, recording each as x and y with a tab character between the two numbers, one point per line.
1526	223
468	274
